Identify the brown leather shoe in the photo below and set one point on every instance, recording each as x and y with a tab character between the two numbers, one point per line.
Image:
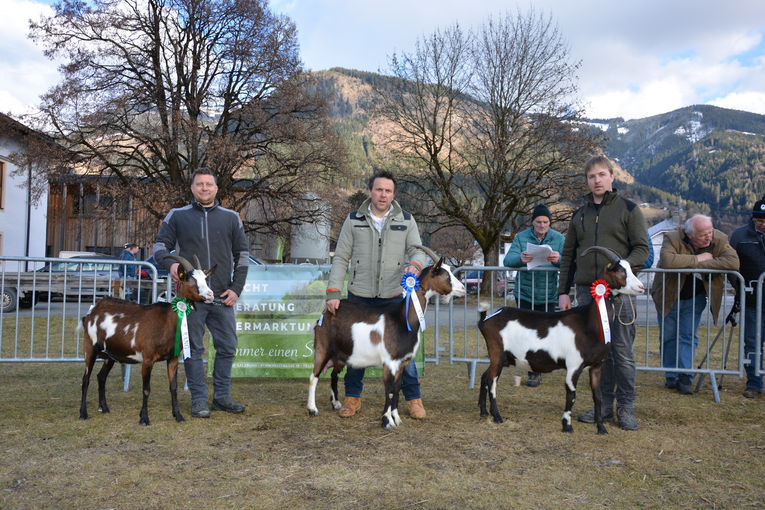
415	408
351	406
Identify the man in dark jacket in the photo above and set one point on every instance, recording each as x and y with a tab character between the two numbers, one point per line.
749	243
216	236
609	220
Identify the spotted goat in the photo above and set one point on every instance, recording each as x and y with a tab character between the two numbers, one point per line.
118	330
548	341
362	336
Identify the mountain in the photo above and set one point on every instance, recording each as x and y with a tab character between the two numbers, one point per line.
703	154
706	158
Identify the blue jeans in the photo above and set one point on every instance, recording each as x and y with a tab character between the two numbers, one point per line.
222	325
619	374
750	345
354	377
678	347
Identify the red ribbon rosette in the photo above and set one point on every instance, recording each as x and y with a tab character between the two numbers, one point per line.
599	290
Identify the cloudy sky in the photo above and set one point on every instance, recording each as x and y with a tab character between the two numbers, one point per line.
638	58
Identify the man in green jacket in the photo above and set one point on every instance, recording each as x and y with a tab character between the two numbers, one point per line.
536	290
378	242
696	245
610	220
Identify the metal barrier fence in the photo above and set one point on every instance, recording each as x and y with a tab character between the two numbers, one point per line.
466	344
43	299
36	328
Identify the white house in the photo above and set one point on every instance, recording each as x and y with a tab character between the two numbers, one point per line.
23	224
656	237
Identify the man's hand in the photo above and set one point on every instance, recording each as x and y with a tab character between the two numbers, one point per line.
553	257
703	257
174	272
564	302
411	268
526	257
229	297
332	305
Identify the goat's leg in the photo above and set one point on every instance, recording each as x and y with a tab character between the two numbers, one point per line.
397	381
102	375
484	390
146	376
172	377
388	420
571	379
597	397
490	384
90	361
334	397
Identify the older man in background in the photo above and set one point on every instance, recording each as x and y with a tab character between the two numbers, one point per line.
681	298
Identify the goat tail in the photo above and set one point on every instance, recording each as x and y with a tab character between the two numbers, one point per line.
483	307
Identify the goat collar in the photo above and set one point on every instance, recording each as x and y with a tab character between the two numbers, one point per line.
182	308
411	283
599	290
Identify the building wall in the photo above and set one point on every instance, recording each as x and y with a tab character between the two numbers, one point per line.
22	226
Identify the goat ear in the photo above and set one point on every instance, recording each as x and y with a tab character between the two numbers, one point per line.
209	271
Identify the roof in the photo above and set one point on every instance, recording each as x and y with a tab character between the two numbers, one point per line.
662	226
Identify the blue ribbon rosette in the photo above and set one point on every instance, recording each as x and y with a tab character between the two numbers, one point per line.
411	283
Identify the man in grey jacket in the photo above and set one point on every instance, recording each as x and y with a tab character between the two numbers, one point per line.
216	236
377	241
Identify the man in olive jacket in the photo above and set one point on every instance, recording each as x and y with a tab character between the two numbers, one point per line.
610	220
377	242
697	245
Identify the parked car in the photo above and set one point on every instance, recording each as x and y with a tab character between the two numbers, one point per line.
472	280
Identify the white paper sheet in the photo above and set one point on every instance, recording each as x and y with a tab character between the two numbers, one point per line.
540	253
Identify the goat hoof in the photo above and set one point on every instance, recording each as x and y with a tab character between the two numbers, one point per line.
602	430
83	416
336	405
484	413
388	424
179	418
313	412
498	419
104	409
568	429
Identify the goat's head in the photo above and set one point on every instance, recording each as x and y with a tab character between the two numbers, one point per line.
193	281
618	273
439	279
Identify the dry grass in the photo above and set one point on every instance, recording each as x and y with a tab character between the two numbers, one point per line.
688	453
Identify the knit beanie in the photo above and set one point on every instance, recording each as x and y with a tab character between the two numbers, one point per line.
542	210
758	211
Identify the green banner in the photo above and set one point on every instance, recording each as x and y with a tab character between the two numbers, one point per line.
275	316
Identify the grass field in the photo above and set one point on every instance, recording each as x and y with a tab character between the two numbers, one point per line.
688	453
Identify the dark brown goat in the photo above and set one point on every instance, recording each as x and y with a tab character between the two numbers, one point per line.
118	330
551	340
361	336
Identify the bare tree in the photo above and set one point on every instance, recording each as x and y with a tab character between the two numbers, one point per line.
154	89
487	125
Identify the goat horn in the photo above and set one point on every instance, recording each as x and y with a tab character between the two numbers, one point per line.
610	254
428	251
196	262
183	262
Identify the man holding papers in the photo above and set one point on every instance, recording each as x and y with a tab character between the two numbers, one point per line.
536	248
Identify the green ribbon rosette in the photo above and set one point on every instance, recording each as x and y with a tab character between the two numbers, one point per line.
182	308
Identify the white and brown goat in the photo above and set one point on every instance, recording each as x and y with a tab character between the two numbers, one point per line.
361	336
118	330
548	341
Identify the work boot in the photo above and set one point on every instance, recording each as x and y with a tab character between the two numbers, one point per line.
415	408
627	420
752	393
533	379
227	404
589	416
199	409
351	406
685	385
